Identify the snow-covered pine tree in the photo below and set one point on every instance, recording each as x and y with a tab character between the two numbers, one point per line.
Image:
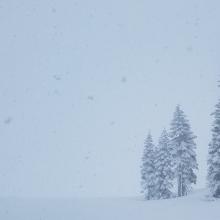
164	168
214	156
148	169
183	152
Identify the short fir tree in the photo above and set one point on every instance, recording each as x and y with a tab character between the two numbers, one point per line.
164	168
148	169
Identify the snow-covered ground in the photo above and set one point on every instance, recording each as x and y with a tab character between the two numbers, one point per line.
193	207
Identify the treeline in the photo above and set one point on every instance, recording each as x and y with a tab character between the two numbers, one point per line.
168	168
172	162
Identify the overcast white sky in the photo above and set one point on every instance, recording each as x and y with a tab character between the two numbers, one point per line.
82	82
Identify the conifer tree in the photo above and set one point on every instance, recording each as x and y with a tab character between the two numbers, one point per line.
164	168
214	156
183	148
148	169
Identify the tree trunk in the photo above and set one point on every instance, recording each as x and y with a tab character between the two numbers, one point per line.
180	182
179	185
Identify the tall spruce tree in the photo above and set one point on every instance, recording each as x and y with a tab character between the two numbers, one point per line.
214	156
183	152
164	168
148	169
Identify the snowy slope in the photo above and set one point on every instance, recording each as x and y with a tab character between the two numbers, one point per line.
193	207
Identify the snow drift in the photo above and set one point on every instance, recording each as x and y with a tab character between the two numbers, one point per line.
193	207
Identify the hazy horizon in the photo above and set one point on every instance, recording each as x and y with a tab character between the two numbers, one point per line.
82	83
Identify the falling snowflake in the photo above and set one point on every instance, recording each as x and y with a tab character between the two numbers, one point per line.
123	79
8	120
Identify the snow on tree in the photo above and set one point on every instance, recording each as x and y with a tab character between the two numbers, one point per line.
183	148
213	176
148	169
164	168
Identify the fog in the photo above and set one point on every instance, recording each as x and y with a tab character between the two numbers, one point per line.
82	83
